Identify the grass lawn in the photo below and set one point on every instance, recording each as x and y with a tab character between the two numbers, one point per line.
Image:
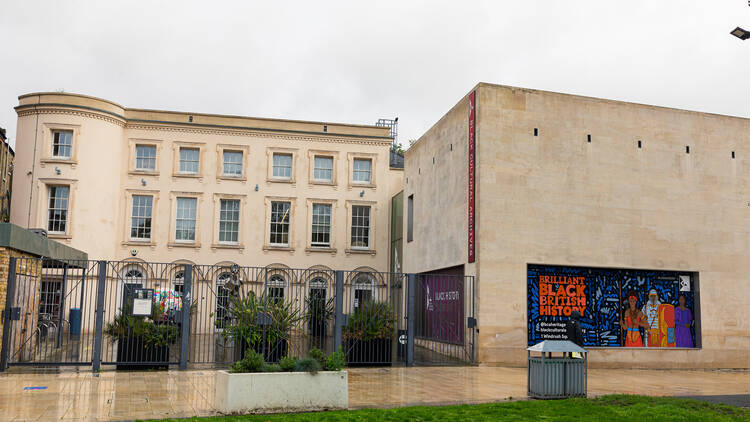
607	408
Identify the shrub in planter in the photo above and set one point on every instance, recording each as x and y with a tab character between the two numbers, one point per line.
142	342
368	335
246	316
319	313
287	363
251	385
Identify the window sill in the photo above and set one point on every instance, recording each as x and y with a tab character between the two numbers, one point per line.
187	175
132	242
353	185
143	172
277	248
322	182
310	249
360	251
53	160
59	235
227	246
184	245
234	178
273	180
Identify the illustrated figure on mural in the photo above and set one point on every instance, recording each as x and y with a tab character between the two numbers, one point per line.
683	319
634	319
661	319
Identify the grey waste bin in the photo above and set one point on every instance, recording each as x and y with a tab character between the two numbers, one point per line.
556	377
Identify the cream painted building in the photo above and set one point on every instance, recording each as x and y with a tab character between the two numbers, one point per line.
620	199
163	186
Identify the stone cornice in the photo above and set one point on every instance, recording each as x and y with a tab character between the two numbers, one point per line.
27	110
30	111
265	134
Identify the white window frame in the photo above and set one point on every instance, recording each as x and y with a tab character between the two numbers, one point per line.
368	227
313	243
288	223
147	169
276	281
178	219
54	207
280	166
357	285
133	217
235	222
356	171
69	146
316	169
240	164
197	161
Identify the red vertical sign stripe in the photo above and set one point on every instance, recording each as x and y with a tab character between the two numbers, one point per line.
472	167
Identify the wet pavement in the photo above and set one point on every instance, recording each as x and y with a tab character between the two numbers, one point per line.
111	395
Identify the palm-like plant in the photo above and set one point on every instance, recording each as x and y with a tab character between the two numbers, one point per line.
245	315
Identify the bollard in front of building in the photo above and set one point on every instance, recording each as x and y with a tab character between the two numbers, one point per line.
557	377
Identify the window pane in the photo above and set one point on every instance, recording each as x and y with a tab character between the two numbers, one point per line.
189	160
282	166
57	212
361	171
145	157
140	222
229	220
62	141
280	217
360	226
185	222
321	225
323	169
233	163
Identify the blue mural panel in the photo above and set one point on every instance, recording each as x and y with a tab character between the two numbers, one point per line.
657	318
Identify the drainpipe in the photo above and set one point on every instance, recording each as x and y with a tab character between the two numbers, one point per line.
33	168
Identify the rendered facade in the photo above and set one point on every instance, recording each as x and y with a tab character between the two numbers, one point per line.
589	204
165	186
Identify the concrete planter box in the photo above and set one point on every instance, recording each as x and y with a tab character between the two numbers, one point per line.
281	391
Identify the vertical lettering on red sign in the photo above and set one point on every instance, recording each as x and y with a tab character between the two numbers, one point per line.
472	165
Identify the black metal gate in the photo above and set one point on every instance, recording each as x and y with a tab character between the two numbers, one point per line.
136	314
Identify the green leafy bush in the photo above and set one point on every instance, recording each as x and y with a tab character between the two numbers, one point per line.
152	331
336	360
307	365
318	355
252	362
287	363
243	317
370	321
270	368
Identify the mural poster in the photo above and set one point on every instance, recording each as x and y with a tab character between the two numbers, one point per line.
618	307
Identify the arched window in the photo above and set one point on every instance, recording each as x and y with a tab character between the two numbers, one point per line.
363	289
178	282
318	289
275	288
133	278
133	274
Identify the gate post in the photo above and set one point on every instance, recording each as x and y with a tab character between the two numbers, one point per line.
185	329
411	319
10	295
96	358
61	308
339	318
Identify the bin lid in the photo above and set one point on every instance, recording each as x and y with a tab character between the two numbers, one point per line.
552	346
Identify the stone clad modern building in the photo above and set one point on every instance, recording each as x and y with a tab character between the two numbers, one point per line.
165	186
634	215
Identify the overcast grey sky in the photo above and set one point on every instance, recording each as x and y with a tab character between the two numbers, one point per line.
355	62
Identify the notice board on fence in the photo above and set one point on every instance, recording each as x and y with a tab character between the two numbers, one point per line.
666	302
